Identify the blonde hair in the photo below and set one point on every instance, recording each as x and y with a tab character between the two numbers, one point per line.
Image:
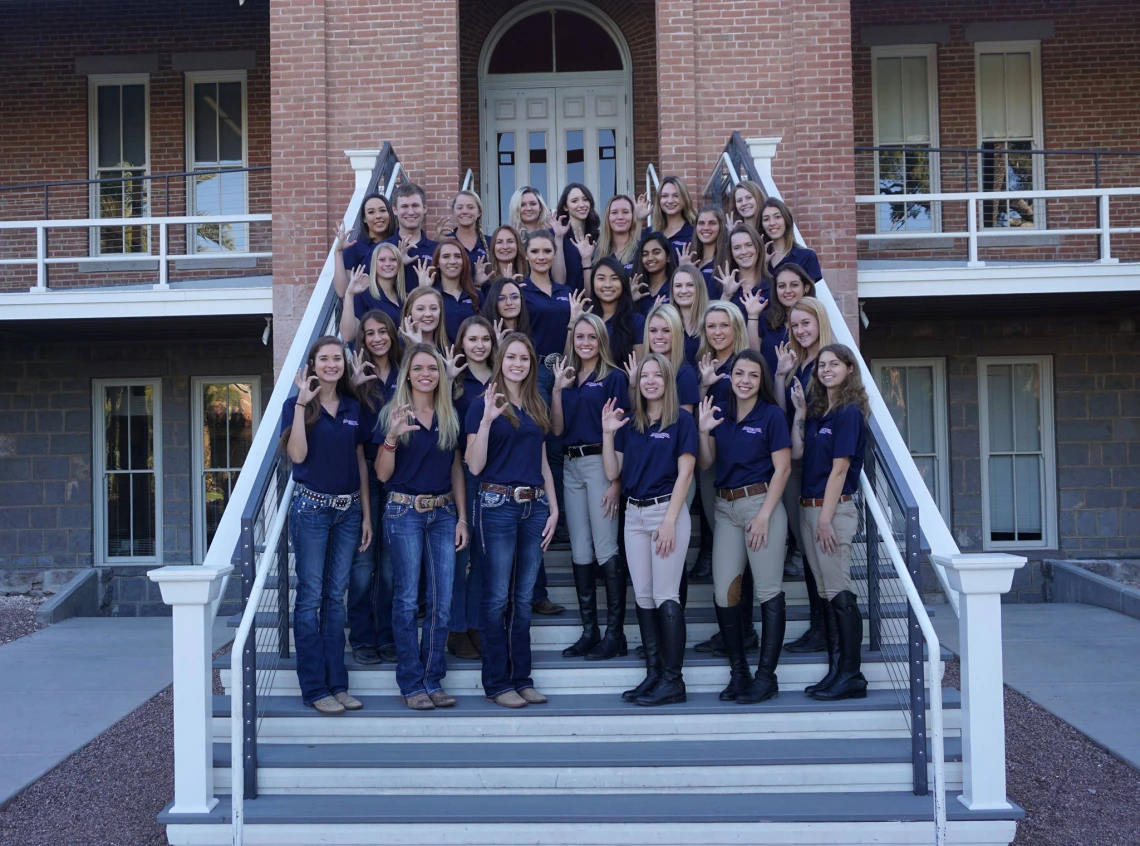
516	209
739	332
606	237
688	210
815	308
374	279
676	333
697	309
532	401
605	358
445	414
440	340
670	406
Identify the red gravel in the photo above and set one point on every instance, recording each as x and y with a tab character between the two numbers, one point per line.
18	617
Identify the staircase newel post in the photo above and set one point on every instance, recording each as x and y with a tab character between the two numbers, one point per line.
362	161
763	150
190	591
980	580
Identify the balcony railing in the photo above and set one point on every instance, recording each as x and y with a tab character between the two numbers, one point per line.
136	228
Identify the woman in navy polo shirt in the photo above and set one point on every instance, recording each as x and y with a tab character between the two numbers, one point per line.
478	346
830	431
382	288
710	252
421	319
749	445
376	364
747	198
466	226
454	282
375	224
576	208
744	274
528	211
621	231
624	325
688	295
790	286
779	229
329	519
506	259
425	519
505	307
515	515
654	457
584	381
656	263
674	214
810	331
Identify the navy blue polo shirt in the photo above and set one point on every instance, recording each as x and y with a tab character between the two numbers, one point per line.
841	433
582	406
804	375
472	390
456	310
476	254
744	447
364	302
514	456
738	300
721	389
330	466
549	316
381	393
638	321
708	271
421	466
424	248
646	303
358	254
575	272
805	258
692	344
770	340
683	236
688	386
649	458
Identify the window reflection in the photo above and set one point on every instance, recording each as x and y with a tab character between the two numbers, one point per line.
506	152
538	163
575	155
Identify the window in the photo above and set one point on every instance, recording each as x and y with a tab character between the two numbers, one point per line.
914	390
1009	126
905	104
215	140
225	414
127	472
558	41
119	129
1015	421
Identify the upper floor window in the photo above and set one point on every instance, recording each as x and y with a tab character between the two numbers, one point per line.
1009	126
216	140
119	132
555	41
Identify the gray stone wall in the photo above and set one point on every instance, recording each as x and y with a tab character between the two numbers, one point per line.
1096	382
46	510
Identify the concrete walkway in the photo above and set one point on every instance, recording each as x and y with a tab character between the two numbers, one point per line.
1080	662
65	685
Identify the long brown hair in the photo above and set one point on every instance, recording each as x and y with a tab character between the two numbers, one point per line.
767	390
532	401
466	279
519	265
670	405
371	392
789	236
483	323
775	313
343	384
757	194
851	392
721	252
688	210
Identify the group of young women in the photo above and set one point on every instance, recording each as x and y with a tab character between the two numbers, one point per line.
597	371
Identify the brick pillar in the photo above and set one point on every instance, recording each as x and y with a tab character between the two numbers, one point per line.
676	87
440	164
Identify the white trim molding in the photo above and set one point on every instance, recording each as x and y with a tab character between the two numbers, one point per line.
141	301
892	279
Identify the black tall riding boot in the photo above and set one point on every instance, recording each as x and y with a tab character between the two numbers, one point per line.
747	607
849	682
773	621
671	630
814	639
647	622
701	573
613	644
831	638
588	607
740	677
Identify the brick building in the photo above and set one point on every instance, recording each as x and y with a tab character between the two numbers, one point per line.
134	361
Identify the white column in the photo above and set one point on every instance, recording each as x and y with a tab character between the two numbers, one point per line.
190	591
763	150
363	161
980	581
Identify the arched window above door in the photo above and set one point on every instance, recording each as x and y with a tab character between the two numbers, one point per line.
555	41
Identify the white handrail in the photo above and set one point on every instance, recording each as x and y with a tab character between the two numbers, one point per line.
652	181
468	180
237	691
732	171
393	180
934	651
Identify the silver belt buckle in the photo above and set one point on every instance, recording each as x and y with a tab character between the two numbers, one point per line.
342	502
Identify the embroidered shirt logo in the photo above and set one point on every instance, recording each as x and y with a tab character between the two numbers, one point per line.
826	431
660	435
348	421
594	385
752	430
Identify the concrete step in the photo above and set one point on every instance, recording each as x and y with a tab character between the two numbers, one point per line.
648	819
669	766
554	674
586	718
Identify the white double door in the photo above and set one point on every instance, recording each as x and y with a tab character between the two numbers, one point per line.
548	137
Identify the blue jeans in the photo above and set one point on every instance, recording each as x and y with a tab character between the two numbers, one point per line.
370	583
324	542
555	459
467	589
511	535
416	538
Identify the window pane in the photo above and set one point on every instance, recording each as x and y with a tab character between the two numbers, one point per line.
607	166
218	485
916	106
1027	475
215	420
1027	407
141	428
581	44
205	123
928	469
905	172
527	47
240	423
889	100
991	91
1008	168
999	381
575	156
920	395
506	152
1018	95
1001	498
230	128
116	427
110	153
893	388
134	125
118	509
538	163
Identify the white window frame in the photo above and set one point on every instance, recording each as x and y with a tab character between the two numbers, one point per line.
1048	450
198	449
94	82
214	76
941	422
930	53
99	469
1034	49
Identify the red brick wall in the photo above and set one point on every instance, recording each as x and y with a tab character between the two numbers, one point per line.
1091	100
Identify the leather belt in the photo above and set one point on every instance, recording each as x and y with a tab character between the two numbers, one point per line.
740	493
649	503
341	502
582	451
421	502
818	503
519	493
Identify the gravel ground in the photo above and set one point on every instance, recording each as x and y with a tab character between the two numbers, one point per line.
18	617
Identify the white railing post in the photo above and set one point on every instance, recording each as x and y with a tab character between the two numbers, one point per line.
41	259
972	234
190	591
362	161
1105	232
164	256
980	580
763	150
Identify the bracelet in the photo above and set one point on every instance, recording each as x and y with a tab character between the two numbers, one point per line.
754	320
388	446
464	522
